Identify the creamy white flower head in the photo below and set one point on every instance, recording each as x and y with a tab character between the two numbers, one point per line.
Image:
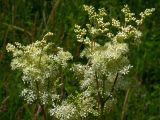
66	111
28	95
62	57
144	14
44	97
106	62
115	23
39	66
128	15
10	47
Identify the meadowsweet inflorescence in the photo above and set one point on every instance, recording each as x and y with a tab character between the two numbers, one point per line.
107	62
66	111
40	68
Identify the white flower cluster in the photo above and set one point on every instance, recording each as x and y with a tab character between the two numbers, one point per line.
130	16
85	104
106	63
81	33
143	15
40	67
30	95
62	57
116	23
65	111
98	27
97	19
44	96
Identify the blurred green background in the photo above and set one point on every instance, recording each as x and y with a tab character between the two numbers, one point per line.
25	21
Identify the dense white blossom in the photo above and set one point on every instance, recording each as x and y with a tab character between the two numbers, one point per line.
107	64
62	57
30	96
44	97
39	67
65	111
115	23
85	104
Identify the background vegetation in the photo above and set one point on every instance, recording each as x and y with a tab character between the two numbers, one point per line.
25	21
